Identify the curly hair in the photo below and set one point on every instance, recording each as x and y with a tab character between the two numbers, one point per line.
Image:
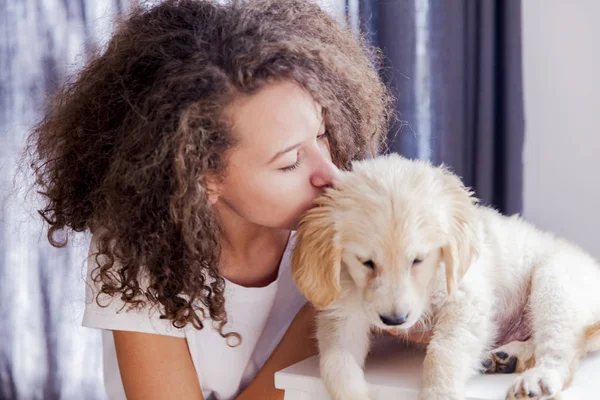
124	145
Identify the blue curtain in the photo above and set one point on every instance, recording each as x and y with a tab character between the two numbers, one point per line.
455	69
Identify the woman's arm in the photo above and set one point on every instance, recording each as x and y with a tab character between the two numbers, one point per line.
160	367
156	367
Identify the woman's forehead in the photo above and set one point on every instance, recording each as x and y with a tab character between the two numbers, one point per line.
278	115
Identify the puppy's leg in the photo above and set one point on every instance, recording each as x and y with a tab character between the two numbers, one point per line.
462	334
516	356
343	346
557	327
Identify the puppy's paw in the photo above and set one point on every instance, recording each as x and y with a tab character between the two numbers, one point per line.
513	357
356	390
535	384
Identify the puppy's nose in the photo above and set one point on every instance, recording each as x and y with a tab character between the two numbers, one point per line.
393	320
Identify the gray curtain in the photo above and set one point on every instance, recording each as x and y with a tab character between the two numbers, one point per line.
455	69
44	352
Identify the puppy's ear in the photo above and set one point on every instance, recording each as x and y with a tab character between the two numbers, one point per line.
316	259
463	242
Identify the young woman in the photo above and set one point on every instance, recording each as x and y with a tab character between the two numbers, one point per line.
190	148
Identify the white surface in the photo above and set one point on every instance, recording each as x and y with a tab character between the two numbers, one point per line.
394	372
561	60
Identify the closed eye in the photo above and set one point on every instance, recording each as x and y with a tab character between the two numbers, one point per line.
292	167
369	264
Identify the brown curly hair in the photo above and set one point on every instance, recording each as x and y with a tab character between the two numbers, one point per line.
124	145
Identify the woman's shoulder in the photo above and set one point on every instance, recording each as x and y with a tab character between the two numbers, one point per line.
105	311
110	312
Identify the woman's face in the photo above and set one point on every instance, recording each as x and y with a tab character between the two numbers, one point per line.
282	160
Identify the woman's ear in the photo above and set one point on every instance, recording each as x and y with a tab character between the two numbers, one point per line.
213	198
316	259
213	189
462	239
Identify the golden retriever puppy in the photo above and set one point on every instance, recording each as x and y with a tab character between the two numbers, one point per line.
403	245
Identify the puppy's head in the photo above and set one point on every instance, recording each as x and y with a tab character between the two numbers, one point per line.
382	234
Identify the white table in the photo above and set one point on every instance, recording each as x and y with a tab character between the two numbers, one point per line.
393	371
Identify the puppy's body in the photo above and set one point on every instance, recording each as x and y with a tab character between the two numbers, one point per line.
515	253
400	244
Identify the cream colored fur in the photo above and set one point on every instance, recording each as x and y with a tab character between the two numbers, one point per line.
396	237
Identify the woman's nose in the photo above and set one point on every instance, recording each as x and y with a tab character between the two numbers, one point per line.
324	174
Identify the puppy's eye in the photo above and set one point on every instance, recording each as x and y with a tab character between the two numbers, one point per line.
417	261
369	264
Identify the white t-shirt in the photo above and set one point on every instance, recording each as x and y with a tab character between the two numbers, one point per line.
260	315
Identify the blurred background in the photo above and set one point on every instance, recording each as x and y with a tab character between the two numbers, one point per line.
505	92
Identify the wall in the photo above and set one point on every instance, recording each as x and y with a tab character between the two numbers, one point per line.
562	108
